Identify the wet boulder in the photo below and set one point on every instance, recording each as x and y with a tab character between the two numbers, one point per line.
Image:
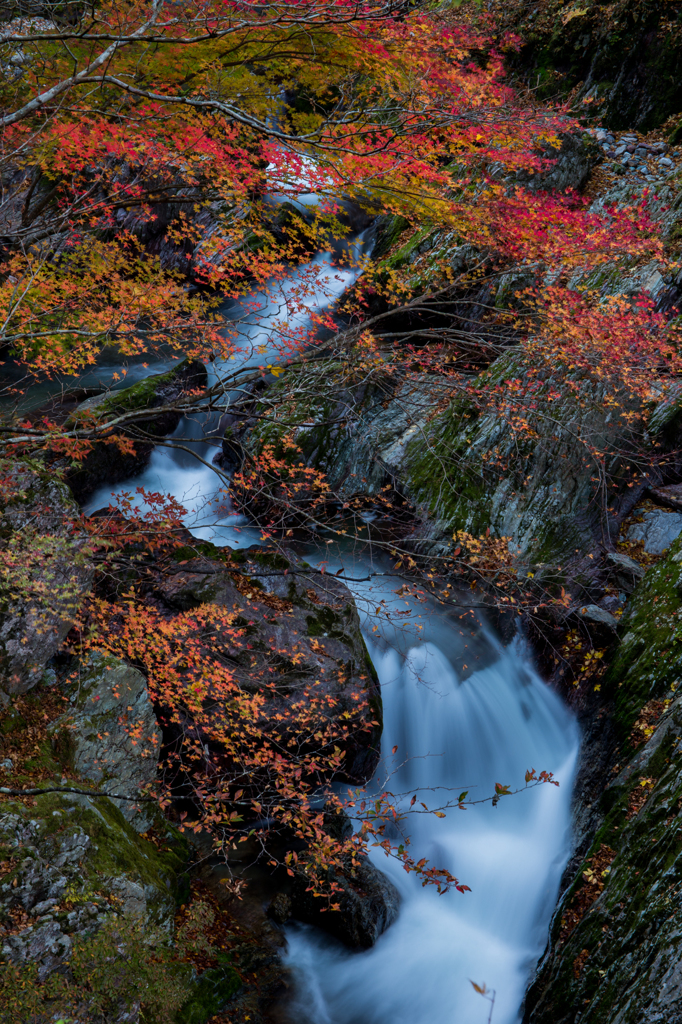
368	905
304	636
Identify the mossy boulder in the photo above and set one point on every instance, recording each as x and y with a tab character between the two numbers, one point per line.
471	470
648	660
69	861
48	571
209	992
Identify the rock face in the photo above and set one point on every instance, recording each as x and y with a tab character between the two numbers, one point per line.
622	56
304	631
463	470
67	863
46	572
613	954
111	736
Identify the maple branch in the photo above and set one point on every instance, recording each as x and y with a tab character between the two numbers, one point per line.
6	791
83	76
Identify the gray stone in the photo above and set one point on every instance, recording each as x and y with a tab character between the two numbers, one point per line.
111	733
626	571
600	624
657	531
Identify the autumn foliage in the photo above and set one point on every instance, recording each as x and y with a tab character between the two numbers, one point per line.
147	151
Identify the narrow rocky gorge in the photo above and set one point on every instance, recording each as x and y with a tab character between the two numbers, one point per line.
595	546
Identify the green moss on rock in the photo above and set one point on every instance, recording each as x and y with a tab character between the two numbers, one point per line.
615	940
649	658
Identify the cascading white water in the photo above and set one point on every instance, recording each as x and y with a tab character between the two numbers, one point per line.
307	289
467	733
464	734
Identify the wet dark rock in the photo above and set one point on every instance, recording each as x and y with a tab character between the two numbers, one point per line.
368	905
625	571
279	908
670	496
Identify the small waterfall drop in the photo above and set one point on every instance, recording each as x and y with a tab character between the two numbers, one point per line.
263	323
468	734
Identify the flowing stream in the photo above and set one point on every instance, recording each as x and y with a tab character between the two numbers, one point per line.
456	726
466	731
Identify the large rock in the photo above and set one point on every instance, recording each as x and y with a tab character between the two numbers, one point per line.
626	572
111	736
613	954
68	862
568	165
45	571
303	633
368	905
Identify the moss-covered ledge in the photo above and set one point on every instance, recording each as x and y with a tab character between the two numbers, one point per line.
614	950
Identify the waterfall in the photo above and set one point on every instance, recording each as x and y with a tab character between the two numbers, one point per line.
466	733
257	321
464	713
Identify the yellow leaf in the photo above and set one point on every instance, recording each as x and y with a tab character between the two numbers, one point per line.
577	12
